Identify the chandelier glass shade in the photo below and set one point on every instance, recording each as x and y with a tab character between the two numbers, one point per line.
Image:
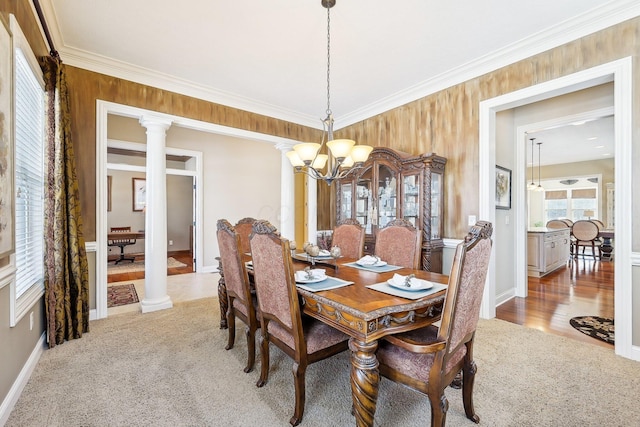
332	158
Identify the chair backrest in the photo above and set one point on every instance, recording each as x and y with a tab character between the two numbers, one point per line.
466	284
235	273
599	223
275	286
567	221
585	230
243	228
557	223
399	244
348	235
121	241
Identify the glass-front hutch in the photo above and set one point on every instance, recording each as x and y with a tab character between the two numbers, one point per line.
394	185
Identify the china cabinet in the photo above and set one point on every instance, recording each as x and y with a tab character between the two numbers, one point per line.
391	185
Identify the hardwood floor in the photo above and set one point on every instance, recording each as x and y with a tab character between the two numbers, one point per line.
182	256
583	288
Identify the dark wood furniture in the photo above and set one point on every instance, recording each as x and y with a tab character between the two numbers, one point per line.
121	237
306	341
241	304
367	316
394	185
429	359
399	244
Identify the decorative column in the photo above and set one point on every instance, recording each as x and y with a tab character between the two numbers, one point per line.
155	245
287	194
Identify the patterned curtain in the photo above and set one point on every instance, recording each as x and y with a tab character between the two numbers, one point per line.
66	278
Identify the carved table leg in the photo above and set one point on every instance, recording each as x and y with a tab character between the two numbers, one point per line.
222	297
365	378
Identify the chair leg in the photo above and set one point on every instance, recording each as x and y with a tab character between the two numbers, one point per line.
251	349
264	359
299	371
231	322
468	379
439	407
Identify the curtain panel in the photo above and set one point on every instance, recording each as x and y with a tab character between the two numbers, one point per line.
66	269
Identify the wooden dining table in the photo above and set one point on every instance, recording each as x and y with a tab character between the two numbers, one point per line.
366	315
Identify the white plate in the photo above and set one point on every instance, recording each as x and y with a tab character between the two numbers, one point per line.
377	264
314	280
421	286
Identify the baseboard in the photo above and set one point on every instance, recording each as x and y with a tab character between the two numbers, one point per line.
20	382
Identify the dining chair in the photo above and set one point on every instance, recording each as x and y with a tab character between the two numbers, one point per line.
557	223
348	235
429	359
599	223
241	303
399	244
567	221
586	235
302	338
243	228
121	243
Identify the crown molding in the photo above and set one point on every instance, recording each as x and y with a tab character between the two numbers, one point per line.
592	21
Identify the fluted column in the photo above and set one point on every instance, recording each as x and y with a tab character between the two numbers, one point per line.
287	194
155	258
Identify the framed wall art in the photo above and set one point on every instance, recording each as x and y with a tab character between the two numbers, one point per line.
139	194
503	188
6	142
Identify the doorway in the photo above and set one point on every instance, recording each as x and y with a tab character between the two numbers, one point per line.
620	73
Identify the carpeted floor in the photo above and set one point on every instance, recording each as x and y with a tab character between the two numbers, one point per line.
130	267
600	328
118	295
169	368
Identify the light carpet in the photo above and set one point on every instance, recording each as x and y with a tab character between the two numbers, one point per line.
131	267
169	368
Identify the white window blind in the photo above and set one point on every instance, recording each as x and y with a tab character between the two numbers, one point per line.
29	177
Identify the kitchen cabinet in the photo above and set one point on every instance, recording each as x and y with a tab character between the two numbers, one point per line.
547	250
391	185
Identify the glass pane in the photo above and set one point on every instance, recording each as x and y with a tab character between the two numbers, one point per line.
436	206
363	201
386	195
411	202
345	201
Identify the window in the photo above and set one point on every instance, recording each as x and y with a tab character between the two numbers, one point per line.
29	178
572	203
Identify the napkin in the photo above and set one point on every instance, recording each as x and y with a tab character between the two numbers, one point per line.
324	252
316	273
368	260
400	281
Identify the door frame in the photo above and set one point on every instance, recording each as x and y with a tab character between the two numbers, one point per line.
620	72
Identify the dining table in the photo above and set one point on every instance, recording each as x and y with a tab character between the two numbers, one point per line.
365	314
606	249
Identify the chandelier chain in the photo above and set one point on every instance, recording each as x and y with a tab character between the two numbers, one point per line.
328	60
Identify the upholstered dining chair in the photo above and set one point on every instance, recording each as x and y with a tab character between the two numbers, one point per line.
586	234
428	359
599	223
302	338
241	303
243	228
348	235
399	244
121	243
557	223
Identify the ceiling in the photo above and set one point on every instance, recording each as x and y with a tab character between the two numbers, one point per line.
270	57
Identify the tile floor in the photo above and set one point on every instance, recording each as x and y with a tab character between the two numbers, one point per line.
181	287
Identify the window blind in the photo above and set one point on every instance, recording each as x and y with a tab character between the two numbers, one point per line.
29	176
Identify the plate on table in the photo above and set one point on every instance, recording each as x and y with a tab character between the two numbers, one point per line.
314	279
416	285
378	263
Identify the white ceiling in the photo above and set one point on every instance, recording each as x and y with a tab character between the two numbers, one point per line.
269	57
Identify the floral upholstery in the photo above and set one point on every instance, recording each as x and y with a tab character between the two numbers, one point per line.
348	235
429	359
399	244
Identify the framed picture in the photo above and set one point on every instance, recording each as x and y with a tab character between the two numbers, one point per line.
503	188
139	194
6	142
109	179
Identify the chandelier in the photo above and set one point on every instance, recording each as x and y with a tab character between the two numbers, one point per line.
539	188
532	185
344	156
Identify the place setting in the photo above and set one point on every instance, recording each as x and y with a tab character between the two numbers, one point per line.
316	279
409	287
372	263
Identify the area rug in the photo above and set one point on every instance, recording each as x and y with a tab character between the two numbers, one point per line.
601	328
121	295
130	267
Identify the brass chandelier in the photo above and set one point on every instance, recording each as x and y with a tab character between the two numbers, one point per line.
344	156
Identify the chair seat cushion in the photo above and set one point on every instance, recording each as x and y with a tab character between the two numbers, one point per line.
317	334
414	365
